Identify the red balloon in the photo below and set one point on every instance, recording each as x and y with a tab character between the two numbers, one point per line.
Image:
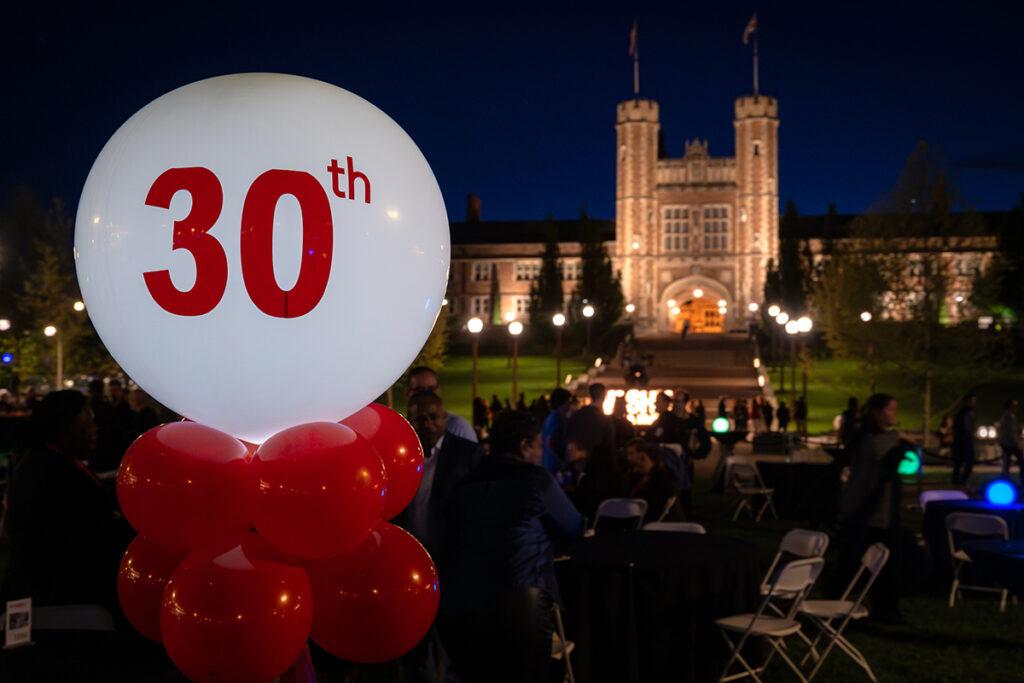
234	610
183	484
317	489
376	602
399	449
144	572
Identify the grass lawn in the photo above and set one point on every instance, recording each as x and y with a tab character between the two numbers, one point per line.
494	376
970	642
831	382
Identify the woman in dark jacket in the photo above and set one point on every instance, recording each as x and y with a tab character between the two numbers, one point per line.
870	503
650	480
497	571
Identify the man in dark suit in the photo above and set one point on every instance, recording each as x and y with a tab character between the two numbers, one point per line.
447	459
589	426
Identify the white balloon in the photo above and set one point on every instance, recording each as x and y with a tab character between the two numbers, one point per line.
218	348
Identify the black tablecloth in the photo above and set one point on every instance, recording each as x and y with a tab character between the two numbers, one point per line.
641	605
1001	560
934	527
803	491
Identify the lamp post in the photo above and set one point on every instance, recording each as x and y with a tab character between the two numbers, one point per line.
588	313
515	328
475	326
804	325
781	318
791	329
52	331
558	320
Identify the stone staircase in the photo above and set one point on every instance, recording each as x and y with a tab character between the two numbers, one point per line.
707	366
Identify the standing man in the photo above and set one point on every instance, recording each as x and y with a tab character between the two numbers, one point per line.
422	378
589	426
1009	439
800	415
447	459
963	441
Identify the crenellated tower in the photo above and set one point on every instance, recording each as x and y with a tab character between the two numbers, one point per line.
636	205
757	184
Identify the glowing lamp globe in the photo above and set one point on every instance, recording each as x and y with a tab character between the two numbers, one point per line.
910	464
231	241
475	325
720	425
1000	492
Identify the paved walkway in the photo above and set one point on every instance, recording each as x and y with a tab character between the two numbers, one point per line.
705	365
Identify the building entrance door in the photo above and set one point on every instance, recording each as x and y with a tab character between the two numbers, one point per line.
702	314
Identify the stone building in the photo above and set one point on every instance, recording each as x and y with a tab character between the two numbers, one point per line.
695	232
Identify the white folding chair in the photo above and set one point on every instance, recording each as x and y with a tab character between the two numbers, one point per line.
745	480
971	524
622	509
685	527
794	581
667	509
945	494
561	648
797	543
822	613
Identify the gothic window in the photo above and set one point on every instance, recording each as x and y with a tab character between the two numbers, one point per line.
676	229
716	228
757	148
482	271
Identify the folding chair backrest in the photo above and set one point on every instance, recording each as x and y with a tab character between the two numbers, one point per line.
685	527
667	509
622	509
804	543
871	562
977	524
799	543
929	496
744	474
797	576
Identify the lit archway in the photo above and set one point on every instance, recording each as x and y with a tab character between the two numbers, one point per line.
697	304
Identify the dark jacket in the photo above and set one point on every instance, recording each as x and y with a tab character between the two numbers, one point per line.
504	519
456	459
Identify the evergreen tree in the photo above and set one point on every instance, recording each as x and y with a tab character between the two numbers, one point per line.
599	285
792	274
546	294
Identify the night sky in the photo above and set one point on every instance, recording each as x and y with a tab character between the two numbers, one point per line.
516	102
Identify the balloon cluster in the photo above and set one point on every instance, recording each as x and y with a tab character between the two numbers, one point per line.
244	553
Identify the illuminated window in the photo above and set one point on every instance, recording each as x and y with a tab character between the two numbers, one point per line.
716	229
527	270
676	229
522	306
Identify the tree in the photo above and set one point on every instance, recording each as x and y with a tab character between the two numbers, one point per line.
794	273
599	285
435	348
546	294
896	264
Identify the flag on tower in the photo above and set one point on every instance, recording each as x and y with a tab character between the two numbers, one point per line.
751	27
632	39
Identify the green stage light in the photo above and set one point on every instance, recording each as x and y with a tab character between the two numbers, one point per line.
720	425
910	465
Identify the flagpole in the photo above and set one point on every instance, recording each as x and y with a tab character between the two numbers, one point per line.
636	73
636	60
756	32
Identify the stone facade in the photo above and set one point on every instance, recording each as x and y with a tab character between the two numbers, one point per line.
694	235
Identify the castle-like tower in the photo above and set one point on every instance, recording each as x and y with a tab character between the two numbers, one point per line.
694	235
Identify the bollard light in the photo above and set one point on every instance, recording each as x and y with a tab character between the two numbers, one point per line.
1000	492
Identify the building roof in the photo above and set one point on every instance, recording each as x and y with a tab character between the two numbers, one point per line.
528	232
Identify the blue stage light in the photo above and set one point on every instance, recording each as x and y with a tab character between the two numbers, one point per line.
1000	492
7	358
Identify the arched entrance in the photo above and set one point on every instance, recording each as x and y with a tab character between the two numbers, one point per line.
701	314
698	303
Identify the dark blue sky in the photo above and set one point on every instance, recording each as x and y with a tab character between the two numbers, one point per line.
516	102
